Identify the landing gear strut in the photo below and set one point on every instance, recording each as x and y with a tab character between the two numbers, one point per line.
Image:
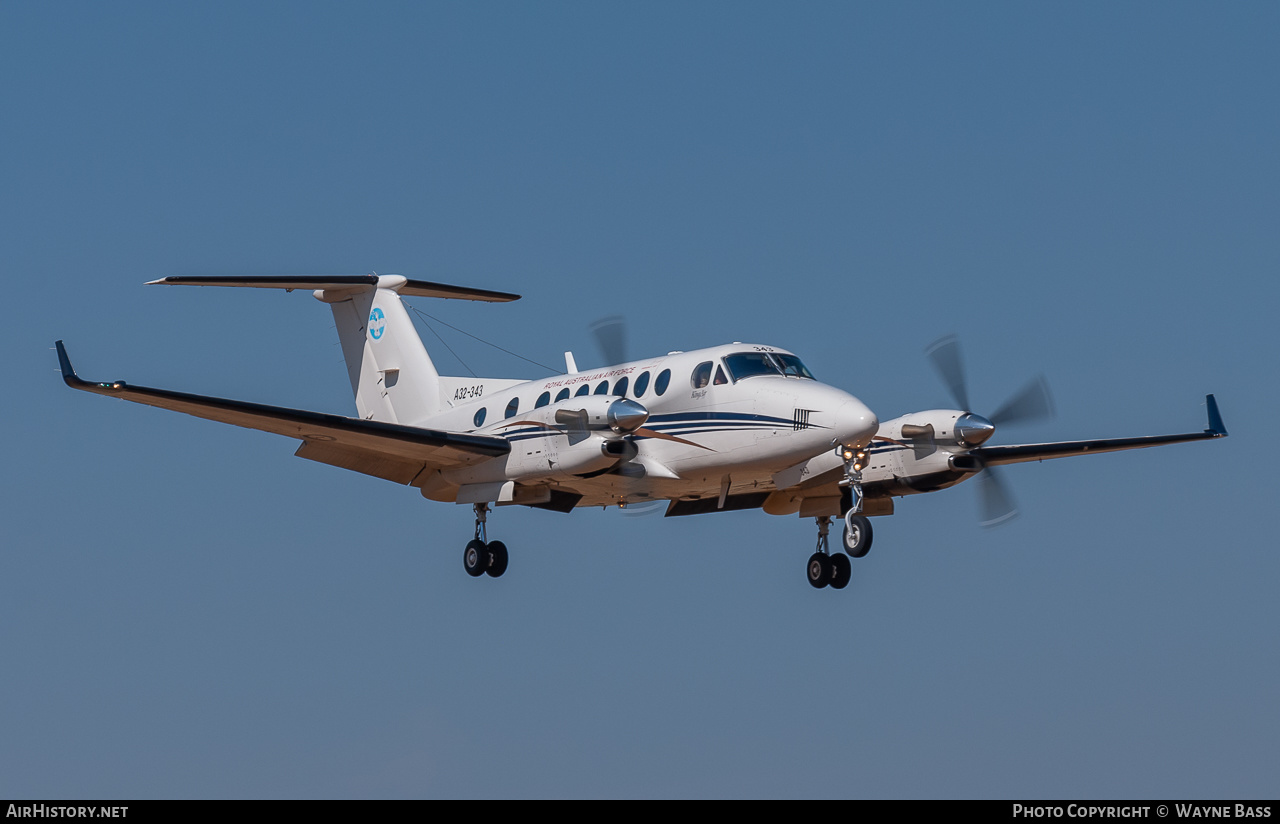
481	556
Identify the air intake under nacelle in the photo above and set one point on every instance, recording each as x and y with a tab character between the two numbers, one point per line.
965	463
622	449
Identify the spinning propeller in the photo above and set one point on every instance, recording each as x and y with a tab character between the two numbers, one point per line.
611	338
1030	404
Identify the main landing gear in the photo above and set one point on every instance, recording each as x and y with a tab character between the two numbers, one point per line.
481	556
833	569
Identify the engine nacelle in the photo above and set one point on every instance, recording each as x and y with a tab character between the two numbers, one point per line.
937	453
620	415
941	427
561	441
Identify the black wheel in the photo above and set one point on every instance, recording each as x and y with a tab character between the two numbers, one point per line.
497	559
857	535
819	570
475	559
841	571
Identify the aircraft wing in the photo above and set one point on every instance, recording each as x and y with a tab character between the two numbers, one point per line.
997	455
385	450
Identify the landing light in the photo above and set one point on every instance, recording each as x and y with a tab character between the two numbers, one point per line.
858	457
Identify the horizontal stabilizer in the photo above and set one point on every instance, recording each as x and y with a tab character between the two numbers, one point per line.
331	434
405	286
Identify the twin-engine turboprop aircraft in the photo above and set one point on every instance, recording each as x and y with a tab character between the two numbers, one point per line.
739	426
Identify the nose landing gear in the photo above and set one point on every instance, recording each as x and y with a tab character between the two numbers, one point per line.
484	557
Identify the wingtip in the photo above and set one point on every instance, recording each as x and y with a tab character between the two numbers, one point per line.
1216	427
64	362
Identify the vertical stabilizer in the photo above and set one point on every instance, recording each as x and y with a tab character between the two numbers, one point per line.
392	376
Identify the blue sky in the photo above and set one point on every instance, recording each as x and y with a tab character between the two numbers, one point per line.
1084	190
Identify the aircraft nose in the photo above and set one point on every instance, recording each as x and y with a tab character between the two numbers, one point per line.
858	424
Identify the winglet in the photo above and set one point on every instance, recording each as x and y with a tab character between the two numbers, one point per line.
70	378
68	373
1216	427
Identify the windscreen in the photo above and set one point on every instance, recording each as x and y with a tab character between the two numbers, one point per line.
750	364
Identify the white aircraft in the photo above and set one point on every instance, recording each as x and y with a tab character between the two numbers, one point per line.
739	426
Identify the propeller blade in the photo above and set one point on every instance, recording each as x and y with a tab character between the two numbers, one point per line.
944	354
611	337
994	500
1032	403
643	508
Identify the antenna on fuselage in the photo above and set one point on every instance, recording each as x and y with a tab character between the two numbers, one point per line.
570	366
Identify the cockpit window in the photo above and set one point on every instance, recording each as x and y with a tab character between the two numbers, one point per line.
750	364
792	367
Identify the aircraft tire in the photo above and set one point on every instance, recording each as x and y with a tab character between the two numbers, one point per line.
819	570
841	571
857	535
475	558
497	556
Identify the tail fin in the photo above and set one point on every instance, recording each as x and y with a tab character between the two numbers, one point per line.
392	376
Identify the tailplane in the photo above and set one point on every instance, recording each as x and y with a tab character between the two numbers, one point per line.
392	376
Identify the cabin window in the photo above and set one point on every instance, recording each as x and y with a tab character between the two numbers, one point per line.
701	375
543	400
642	383
660	385
582	390
512	407
478	420
620	388
603	388
562	394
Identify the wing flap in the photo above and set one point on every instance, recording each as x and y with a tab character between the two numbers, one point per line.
365	461
388	441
